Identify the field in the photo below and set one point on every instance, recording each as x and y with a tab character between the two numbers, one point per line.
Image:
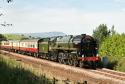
14	36
14	72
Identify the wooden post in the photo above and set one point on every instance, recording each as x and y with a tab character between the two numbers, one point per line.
54	80
85	82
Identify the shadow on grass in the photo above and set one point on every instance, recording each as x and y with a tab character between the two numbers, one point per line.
112	65
11	75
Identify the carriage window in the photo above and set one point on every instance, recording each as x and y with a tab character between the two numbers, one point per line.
33	46
6	43
22	44
16	44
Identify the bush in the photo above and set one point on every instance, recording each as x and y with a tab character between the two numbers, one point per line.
121	65
113	47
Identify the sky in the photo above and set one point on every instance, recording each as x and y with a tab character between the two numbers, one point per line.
67	16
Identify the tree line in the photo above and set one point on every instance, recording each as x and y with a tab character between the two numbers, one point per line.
112	45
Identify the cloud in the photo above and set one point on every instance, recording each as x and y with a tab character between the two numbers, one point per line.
123	9
70	21
120	1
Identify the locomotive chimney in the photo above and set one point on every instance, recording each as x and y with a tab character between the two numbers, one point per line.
83	35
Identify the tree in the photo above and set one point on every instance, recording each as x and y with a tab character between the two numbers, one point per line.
113	32
8	1
114	48
2	37
101	32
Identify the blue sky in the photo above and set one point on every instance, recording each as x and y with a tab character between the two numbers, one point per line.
87	5
68	16
90	5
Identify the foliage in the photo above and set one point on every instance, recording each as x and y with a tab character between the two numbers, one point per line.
8	1
101	32
121	65
113	47
113	32
2	37
15	37
11	72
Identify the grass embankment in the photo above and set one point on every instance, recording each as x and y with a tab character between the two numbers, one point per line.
14	72
14	36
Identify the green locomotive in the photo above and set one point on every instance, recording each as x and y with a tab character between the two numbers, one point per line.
77	50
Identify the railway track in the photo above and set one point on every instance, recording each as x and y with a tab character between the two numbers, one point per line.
110	73
99	76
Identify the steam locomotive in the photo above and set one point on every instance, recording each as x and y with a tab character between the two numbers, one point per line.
79	50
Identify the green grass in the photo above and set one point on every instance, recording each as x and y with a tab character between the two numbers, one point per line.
14	36
13	72
121	65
